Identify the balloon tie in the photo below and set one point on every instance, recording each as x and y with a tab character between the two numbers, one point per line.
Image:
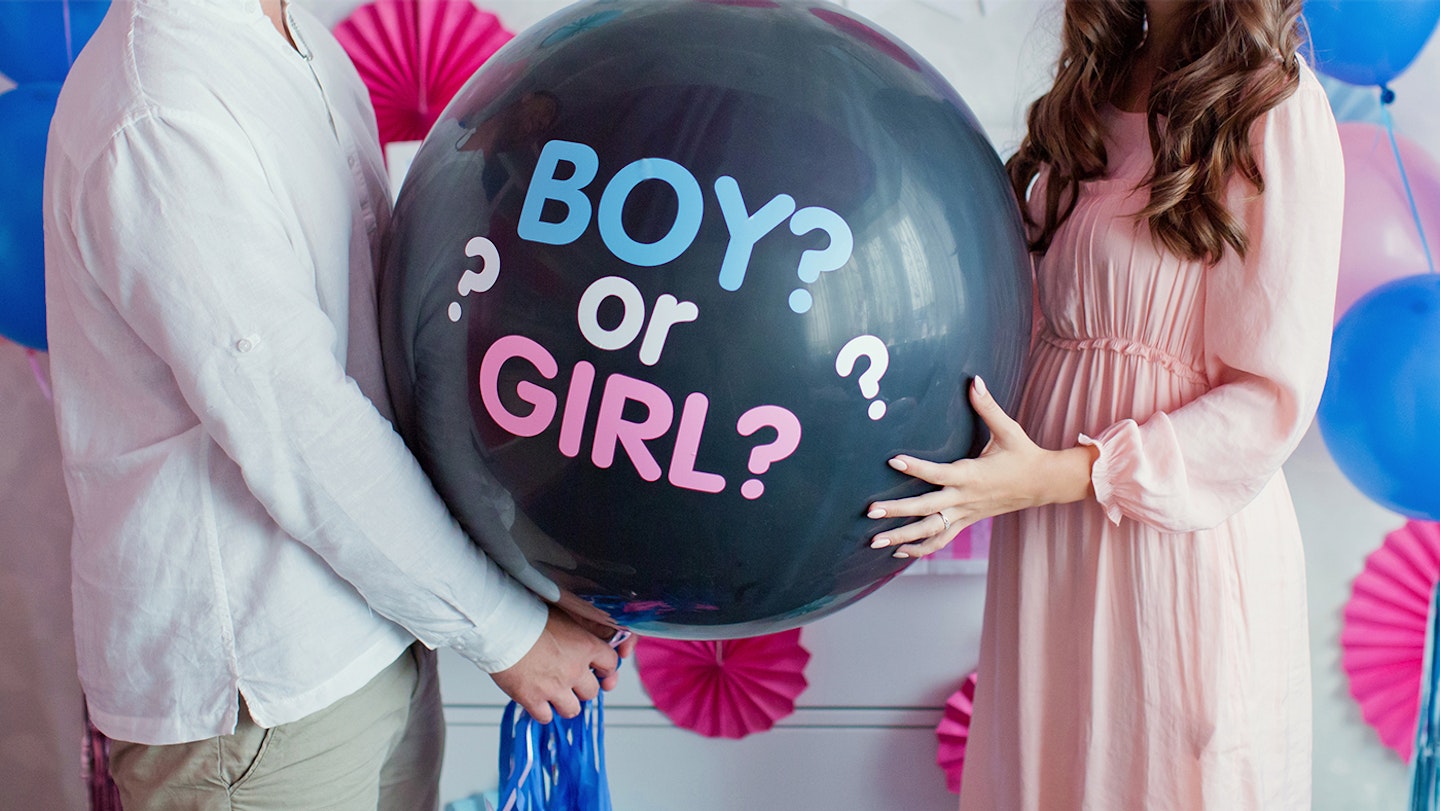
31	355
69	37
1387	97
559	766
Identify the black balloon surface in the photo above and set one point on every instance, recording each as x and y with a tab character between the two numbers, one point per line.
671	280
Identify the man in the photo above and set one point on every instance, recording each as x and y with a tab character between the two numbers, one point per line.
255	551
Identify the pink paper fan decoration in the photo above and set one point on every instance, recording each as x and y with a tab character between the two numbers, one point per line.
954	732
724	689
414	55
1383	640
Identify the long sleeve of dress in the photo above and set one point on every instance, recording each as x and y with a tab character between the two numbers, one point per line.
202	267
1267	322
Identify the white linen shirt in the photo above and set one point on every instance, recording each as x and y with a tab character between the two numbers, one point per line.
246	521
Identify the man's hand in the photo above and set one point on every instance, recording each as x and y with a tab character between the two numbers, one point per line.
565	667
624	646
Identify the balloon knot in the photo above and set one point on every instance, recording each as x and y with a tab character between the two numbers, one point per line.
1387	96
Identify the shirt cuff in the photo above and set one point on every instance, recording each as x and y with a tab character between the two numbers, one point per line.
501	643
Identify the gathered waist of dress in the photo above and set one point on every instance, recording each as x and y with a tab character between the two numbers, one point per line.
1124	346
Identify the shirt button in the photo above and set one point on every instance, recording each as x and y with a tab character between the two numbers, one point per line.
244	345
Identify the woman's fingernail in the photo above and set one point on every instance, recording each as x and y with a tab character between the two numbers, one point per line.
875	513
980	386
899	464
880	542
902	555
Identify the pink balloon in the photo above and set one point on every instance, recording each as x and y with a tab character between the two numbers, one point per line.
1379	242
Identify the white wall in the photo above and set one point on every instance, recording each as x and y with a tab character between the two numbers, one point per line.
998	55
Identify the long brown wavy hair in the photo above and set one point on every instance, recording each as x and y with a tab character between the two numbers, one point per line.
1237	60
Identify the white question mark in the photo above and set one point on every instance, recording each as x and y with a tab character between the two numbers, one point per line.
821	260
787	439
866	346
472	282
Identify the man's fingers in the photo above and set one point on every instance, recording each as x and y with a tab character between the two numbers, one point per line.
605	665
603	632
566	704
610	682
570	663
539	710
587	688
605	658
626	648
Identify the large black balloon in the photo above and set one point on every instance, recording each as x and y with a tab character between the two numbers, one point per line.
512	328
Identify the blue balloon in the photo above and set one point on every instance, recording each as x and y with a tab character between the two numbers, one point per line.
1380	414
1368	42
25	114
1350	102
32	36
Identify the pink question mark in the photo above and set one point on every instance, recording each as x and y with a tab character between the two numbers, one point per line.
787	428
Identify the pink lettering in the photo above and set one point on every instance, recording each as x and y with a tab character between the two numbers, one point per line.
687	447
544	402
611	428
577	402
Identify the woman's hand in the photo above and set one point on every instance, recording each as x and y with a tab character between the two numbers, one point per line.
1012	473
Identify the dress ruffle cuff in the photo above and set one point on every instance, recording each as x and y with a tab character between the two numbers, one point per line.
1119	446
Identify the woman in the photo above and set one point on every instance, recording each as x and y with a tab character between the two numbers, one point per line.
1145	641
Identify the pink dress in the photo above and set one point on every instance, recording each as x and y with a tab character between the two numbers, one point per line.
1148	650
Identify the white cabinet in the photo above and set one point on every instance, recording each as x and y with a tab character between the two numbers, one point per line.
862	737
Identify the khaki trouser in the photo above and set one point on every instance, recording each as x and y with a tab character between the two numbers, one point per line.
377	749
